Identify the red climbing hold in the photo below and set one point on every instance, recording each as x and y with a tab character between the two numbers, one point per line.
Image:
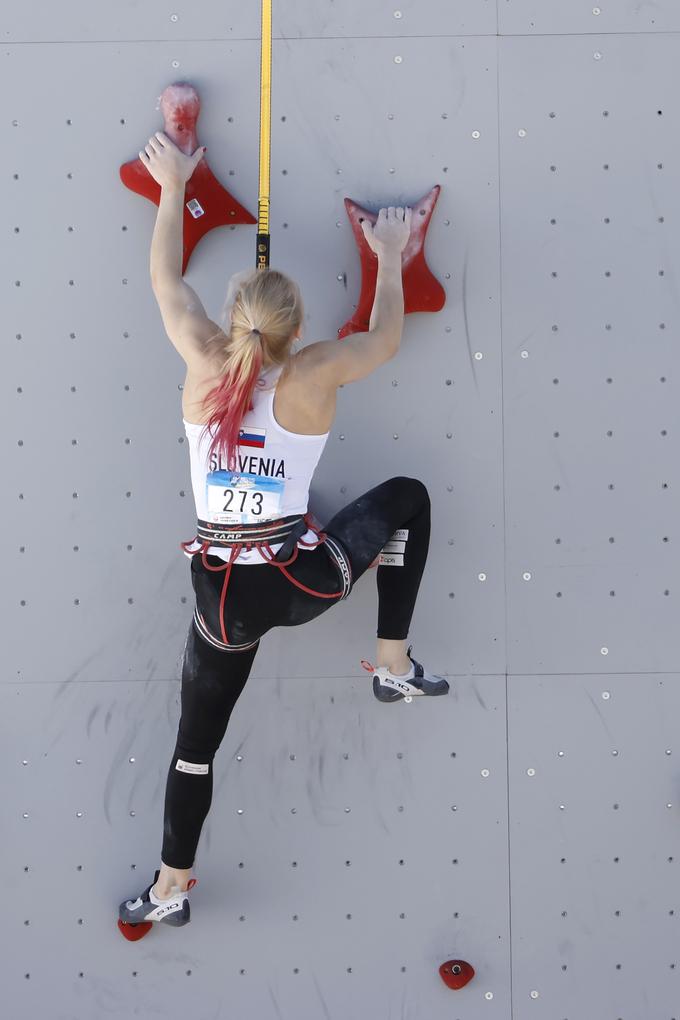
206	203
135	932
456	973
422	292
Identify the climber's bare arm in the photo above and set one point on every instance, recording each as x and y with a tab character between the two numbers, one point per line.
336	362
184	317
186	322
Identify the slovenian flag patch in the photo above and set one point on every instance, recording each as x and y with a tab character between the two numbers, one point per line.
252	437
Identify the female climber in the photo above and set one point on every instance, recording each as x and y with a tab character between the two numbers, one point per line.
257	412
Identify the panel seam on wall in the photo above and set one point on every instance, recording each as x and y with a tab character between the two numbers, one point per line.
505	536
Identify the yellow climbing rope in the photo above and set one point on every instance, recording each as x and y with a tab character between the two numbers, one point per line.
263	237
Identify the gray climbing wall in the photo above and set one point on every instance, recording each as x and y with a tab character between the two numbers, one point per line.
528	823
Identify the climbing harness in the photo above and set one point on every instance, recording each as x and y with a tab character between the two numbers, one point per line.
289	531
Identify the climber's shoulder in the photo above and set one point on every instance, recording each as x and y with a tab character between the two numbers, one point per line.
331	363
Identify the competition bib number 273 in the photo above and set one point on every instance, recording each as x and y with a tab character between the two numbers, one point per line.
235	498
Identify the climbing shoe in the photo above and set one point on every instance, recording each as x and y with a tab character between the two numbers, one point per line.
147	908
389	687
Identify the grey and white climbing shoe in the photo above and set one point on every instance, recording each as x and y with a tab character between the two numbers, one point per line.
390	687
174	911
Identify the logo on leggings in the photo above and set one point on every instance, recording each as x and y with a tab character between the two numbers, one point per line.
187	766
392	554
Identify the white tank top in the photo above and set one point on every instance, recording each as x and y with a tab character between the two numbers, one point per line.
272	477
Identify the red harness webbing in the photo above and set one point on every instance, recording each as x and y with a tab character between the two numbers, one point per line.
268	556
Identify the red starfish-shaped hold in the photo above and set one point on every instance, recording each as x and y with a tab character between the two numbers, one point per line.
206	203
422	292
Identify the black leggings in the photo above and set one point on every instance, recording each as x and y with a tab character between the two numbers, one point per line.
259	597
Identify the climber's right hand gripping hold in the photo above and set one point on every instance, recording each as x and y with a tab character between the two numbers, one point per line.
391	230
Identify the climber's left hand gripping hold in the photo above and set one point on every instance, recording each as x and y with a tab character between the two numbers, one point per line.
166	163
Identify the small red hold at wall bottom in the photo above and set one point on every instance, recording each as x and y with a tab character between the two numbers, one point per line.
456	973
